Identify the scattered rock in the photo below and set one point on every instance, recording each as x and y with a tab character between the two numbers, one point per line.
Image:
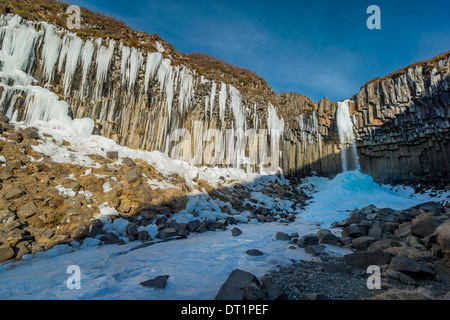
352	231
426	227
133	175
326	237
233	288
410	267
254	293
282	236
30	133
314	296
159	282
80	232
254	252
310	240
362	260
27	210
272	289
166	233
113	155
235	232
109	238
6	253
315	250
362	243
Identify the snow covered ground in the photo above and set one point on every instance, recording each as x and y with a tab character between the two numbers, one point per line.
198	265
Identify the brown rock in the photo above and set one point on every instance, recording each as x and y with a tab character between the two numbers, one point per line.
27	210
6	253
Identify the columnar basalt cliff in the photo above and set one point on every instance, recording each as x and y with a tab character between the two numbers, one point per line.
158	100
144	100
403	123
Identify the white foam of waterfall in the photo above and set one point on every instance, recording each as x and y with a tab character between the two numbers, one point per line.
346	135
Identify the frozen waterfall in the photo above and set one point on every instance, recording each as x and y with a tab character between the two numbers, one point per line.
345	129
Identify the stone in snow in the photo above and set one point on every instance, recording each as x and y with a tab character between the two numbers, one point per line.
159	282
233	288
235	232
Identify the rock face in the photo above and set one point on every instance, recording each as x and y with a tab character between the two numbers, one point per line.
146	100
402	123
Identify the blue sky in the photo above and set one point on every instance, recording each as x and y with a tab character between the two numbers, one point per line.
316	48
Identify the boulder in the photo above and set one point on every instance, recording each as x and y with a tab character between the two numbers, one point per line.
355	217
128	162
433	207
109	238
80	232
166	233
6	253
254	252
383	245
425	227
112	155
193	225
362	260
272	289
443	238
315	250
133	175
410	267
254	293
159	282
282	236
362	243
309	240
27	210
352	231
30	133
234	287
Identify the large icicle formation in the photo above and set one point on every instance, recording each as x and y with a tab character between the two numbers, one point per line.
56	57
18	56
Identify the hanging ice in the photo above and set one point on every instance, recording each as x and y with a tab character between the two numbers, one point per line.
104	56
345	129
50	51
153	62
222	101
86	60
72	57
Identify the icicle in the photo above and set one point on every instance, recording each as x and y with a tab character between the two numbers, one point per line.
50	51
166	81
17	43
212	98
103	59
131	63
222	101
124	63
71	62
186	93
86	60
153	62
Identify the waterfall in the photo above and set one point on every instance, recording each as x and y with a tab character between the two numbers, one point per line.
345	129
